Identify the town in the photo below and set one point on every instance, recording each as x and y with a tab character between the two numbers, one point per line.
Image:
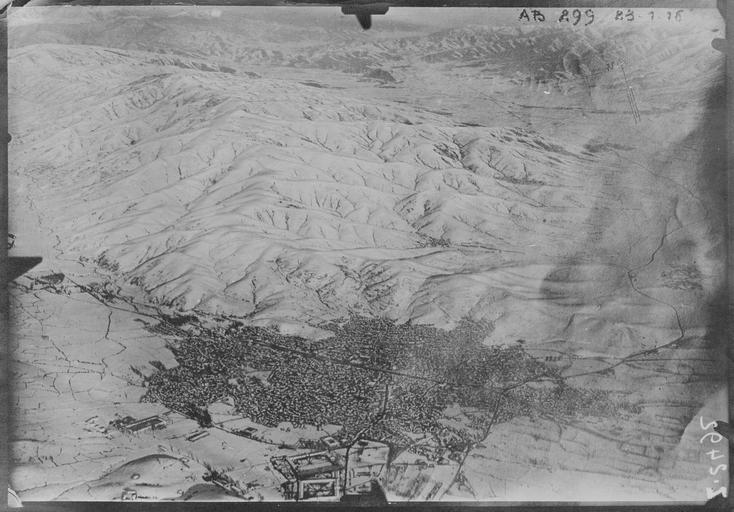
385	380
341	380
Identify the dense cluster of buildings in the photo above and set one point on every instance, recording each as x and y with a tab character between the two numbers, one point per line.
309	391
344	380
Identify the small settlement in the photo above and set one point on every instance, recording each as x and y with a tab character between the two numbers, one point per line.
131	425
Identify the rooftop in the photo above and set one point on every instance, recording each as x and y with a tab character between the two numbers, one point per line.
307	466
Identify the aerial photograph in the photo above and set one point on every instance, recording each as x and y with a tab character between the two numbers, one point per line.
466	255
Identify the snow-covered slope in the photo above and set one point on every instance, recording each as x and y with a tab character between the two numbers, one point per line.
270	199
570	60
